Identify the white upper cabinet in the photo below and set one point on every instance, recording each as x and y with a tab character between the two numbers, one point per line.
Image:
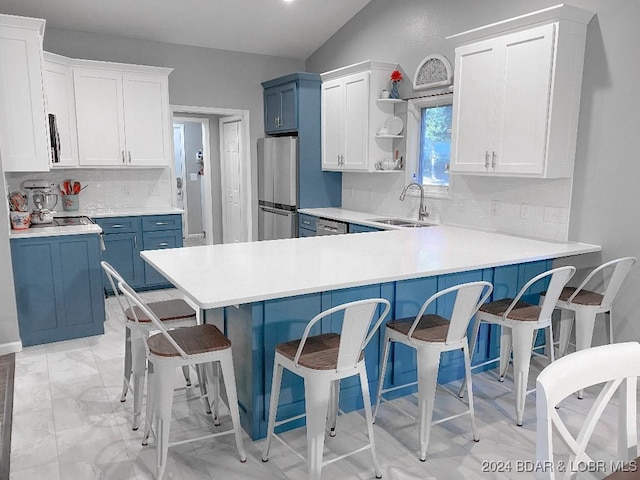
351	118
123	116
24	142
147	119
517	95
60	102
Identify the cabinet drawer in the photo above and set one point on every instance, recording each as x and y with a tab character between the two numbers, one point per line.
303	232
307	221
119	224
161	222
357	228
161	240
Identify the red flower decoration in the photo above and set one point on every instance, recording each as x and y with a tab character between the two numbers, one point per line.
396	76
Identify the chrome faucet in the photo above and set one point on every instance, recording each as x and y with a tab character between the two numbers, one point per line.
422	212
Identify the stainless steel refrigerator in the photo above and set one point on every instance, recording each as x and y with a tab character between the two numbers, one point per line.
277	187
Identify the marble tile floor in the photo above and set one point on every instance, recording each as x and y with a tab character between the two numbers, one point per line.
69	424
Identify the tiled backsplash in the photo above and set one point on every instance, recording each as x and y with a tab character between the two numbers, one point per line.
109	188
536	208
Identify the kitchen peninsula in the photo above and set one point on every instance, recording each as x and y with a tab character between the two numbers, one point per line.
270	290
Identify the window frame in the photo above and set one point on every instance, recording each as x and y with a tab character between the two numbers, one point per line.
414	119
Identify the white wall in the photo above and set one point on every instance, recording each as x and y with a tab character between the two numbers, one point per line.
603	206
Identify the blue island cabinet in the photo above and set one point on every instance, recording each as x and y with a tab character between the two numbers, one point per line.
256	328
58	287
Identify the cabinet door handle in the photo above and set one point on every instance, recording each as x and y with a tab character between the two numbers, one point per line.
135	241
129	156
486	160
277	122
163	244
493	160
123	160
117	225
306	222
162	223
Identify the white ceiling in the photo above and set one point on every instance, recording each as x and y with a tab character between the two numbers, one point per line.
270	27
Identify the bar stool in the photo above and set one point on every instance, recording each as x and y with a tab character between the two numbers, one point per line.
323	360
519	321
587	304
617	367
195	345
431	335
173	313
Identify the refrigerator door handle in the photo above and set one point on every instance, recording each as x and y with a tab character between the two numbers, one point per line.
277	212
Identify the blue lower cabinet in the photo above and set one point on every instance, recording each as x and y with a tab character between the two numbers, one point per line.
122	252
303	232
159	240
256	328
356	228
58	287
126	237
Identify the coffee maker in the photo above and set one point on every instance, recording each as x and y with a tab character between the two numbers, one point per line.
41	199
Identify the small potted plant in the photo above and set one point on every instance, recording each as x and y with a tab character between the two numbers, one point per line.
396	77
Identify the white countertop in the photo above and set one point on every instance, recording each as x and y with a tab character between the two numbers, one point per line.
222	275
351	216
54	231
124	212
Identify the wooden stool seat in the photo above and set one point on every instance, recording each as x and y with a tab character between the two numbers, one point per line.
584	297
166	310
430	328
522	311
193	340
320	352
322	361
176	313
431	335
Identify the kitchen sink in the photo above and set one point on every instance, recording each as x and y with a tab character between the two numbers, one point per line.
399	222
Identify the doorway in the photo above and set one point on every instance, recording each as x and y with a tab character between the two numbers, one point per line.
224	222
192	159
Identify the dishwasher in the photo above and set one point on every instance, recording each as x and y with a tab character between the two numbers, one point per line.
330	227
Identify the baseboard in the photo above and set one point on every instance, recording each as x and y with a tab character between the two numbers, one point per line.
12	347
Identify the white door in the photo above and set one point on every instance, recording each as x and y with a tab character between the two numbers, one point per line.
178	155
474	107
332	124
145	119
58	82
233	214
525	88
356	121
23	126
101	139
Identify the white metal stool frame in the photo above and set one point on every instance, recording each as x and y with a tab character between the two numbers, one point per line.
161	378
619	366
469	297
322	386
135	357
585	314
517	336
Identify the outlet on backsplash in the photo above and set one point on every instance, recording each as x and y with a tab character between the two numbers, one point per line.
524	211
496	208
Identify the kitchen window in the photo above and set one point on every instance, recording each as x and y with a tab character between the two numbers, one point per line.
429	143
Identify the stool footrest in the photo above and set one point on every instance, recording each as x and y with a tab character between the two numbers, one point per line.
290	419
204	437
406	385
277	437
451	417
